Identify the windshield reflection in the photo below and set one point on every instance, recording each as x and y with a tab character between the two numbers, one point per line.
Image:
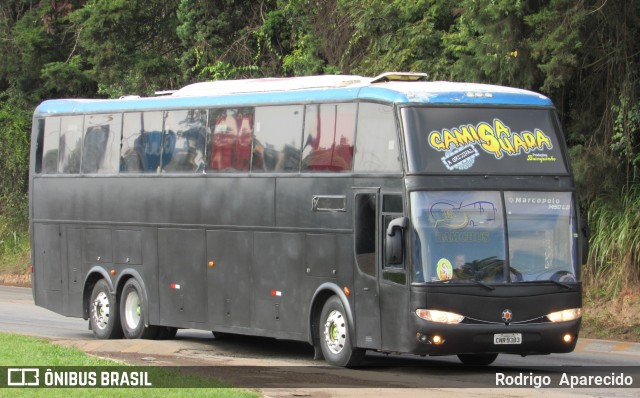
459	237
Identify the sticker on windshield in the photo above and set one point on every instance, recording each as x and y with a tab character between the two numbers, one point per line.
460	144
444	269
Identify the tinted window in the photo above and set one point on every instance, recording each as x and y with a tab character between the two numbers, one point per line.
458	236
50	145
141	142
39	144
376	140
230	144
541	229
278	139
329	131
365	233
483	140
70	144
101	149
184	140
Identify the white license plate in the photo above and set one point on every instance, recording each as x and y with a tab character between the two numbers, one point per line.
507	338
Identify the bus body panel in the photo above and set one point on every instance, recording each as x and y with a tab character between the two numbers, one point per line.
259	253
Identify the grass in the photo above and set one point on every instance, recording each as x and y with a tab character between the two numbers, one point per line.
610	318
614	258
17	350
14	247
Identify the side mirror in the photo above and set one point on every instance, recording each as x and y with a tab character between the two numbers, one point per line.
394	242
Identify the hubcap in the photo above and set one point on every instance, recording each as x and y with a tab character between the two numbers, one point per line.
101	310
335	332
132	310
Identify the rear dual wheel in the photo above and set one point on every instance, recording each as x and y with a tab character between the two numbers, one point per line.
133	313
104	317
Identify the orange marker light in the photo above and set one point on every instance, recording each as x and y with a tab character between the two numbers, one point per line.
347	291
113	272
211	264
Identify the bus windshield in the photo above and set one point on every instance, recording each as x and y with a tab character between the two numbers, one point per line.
489	140
461	237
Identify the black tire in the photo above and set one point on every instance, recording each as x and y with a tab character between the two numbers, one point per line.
477	359
133	313
335	338
222	335
166	333
104	316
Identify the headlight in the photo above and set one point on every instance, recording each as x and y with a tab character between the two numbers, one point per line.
439	316
565	315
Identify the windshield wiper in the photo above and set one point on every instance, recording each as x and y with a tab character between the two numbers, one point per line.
564	285
486	286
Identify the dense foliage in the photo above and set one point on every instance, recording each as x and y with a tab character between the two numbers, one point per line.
584	54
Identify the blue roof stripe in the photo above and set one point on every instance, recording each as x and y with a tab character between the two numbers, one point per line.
397	93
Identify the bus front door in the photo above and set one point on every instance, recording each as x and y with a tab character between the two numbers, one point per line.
367	248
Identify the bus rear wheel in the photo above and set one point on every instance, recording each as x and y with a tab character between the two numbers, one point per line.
335	340
477	359
133	313
103	312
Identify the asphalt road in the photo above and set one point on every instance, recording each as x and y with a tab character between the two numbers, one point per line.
284	368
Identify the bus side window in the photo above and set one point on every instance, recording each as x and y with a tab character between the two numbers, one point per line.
329	132
278	139
70	144
50	145
39	145
392	208
376	140
141	142
365	232
229	145
184	140
101	148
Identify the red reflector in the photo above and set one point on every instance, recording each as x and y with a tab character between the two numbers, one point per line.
276	293
175	286
31	268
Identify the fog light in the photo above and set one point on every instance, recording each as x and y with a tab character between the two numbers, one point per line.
567	338
426	339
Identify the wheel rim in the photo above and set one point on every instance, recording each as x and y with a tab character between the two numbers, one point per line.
335	332
101	310
132	310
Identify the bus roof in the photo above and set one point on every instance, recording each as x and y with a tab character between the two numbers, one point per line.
396	88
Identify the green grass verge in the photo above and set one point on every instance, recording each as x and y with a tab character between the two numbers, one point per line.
17	350
14	247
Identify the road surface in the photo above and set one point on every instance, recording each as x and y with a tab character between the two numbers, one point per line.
283	368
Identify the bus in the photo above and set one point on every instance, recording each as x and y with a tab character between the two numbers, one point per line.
391	214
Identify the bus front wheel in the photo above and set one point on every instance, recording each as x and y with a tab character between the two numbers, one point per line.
103	312
335	339
477	359
133	313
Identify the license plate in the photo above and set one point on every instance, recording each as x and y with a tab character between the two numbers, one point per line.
507	338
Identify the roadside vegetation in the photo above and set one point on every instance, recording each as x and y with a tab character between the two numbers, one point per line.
583	54
43	353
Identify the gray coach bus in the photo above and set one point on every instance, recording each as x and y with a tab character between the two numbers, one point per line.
389	214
